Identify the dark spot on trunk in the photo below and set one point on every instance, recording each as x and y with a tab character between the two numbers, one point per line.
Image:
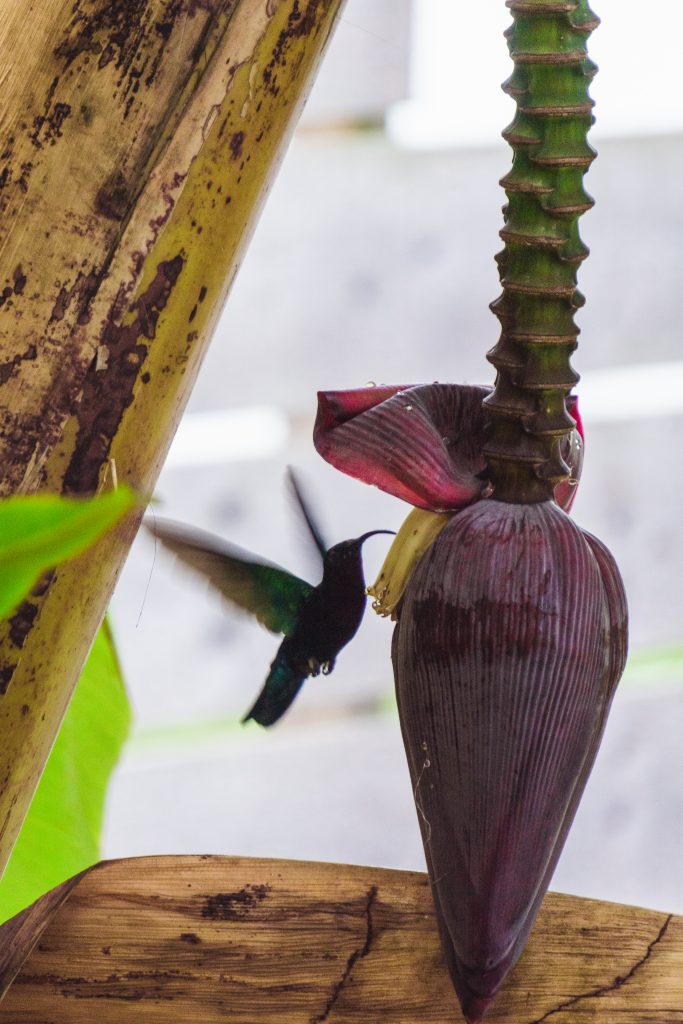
106	950
22	180
193	313
39	121
190	937
21	622
61	305
25	709
6	673
87	287
155	298
82	292
107	56
233	906
56	120
236	143
19	278
108	393
113	197
47	127
8	150
8	368
202	293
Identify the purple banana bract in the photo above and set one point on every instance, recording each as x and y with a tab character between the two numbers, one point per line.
422	443
510	641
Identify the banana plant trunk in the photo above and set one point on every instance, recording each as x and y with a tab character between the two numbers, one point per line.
137	142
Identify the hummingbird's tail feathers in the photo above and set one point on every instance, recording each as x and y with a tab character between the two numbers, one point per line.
279	690
273	595
306	512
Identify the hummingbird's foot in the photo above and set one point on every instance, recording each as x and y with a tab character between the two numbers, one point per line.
315	667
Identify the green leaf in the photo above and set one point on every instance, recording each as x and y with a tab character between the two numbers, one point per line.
61	834
38	532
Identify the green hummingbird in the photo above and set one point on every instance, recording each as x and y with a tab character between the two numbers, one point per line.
317	621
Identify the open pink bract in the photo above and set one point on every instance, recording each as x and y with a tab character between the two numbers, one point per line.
421	443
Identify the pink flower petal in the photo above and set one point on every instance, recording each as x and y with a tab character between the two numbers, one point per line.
337	407
422	444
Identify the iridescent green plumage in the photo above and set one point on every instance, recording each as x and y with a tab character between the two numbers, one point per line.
317	621
271	594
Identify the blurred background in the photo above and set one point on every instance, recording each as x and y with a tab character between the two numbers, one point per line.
373	261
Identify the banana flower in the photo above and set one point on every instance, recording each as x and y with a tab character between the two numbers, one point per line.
510	640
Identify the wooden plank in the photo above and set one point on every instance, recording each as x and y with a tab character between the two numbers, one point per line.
204	939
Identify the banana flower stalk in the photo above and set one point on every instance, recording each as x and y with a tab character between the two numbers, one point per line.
511	626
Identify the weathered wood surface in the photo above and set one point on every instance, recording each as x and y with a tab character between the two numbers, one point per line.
203	939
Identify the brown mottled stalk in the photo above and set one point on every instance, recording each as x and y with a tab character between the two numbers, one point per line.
138	143
538	266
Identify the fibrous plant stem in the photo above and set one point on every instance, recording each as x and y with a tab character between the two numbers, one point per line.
137	144
542	253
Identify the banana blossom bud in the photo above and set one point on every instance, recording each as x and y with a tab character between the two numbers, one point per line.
510	640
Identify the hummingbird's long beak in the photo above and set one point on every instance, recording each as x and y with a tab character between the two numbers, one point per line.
373	533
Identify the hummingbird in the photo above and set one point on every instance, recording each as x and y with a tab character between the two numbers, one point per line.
317	621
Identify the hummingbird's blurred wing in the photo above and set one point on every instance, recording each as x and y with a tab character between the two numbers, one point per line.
278	692
271	594
305	510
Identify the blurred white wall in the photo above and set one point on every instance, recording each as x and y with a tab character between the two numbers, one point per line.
459	57
366	67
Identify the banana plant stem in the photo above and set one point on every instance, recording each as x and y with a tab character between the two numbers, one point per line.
542	248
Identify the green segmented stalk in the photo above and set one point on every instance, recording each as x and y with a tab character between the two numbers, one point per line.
539	263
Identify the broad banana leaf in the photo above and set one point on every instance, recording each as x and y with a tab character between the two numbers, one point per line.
61	833
38	533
